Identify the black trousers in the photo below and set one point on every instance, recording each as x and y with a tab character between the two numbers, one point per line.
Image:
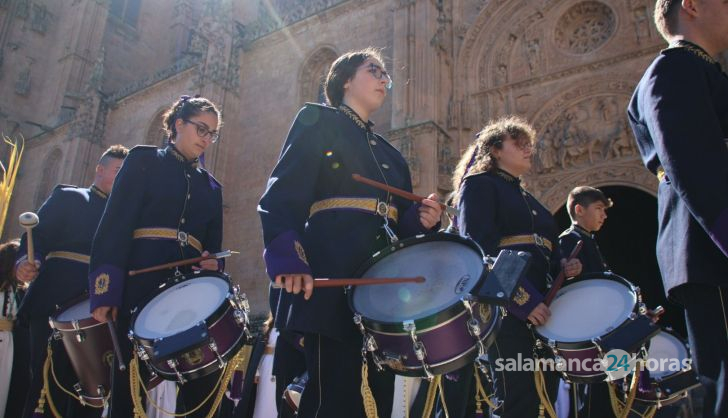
517	389
66	406
289	362
334	385
706	314
191	394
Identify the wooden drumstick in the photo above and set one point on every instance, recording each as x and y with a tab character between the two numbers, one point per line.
29	220
562	275
187	261
401	193
326	282
115	341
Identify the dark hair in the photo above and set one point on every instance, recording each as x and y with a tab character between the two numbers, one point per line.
666	12
585	196
185	108
8	252
478	158
115	151
343	69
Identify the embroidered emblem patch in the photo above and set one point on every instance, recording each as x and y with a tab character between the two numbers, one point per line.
193	357
299	250
521	297
101	285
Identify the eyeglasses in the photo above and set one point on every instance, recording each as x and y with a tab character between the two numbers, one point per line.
379	73
202	131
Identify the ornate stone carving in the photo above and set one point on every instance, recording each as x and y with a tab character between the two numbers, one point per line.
22	10
585	27
447	159
313	73
552	189
276	14
593	129
406	147
22	84
40	18
641	19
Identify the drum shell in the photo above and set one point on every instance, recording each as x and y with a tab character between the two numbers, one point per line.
445	334
672	387
92	357
587	350
448	343
197	361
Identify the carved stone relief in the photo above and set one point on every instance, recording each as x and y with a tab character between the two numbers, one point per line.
585	27
593	129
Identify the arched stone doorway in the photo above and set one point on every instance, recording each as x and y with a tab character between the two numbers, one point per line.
627	241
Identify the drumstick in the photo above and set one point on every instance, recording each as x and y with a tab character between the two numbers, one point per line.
29	220
401	193
562	275
326	282
115	341
184	262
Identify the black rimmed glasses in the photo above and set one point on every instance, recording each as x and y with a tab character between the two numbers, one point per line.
203	131
379	73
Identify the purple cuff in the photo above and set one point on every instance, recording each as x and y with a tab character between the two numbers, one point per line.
410	224
106	286
285	255
221	265
719	232
524	300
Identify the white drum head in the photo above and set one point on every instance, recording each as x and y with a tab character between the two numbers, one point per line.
77	312
668	348
588	309
451	270
181	307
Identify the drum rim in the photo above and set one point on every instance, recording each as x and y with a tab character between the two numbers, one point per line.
84	323
216	315
428	321
588	344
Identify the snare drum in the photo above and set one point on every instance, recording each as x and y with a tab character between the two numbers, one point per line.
191	326
591	316
89	347
671	375
421	329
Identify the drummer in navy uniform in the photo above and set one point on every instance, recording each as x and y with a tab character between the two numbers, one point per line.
496	212
318	222
679	115
164	207
587	208
62	244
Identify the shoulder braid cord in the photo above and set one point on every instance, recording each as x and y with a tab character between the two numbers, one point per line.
370	405
546	405
45	393
219	390
480	395
623	410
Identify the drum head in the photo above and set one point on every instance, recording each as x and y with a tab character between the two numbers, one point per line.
587	309
665	353
451	267
180	307
76	312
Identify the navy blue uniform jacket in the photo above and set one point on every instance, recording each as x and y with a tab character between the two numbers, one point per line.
157	189
324	147
67	223
493	207
679	115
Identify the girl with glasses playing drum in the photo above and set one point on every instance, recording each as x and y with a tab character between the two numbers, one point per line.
164	207
496	211
318	222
